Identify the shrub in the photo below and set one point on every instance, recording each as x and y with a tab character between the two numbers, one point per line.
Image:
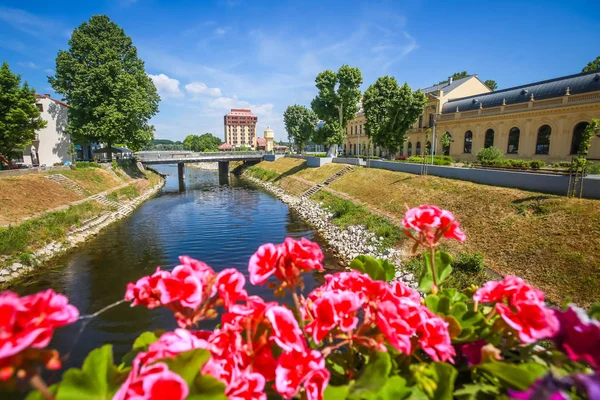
593	168
262	174
86	164
437	160
469	262
490	155
537	164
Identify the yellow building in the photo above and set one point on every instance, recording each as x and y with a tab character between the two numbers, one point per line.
543	120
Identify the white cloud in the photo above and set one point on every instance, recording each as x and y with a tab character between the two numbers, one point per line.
27	64
167	87
199	88
220	31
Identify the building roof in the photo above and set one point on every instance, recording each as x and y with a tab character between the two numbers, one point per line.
261	141
241	112
557	87
447	87
47	96
225	146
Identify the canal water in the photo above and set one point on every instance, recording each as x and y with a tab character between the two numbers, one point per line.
221	224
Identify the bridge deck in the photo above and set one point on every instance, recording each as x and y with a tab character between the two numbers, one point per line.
174	158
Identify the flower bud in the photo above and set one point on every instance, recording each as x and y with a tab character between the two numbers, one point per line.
6	373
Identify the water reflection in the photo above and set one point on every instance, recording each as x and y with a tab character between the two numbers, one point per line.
219	224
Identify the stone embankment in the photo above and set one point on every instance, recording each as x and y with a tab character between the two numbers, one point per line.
347	243
75	237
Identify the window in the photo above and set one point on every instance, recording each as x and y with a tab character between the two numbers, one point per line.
513	140
409	151
418	148
361	129
431	120
345	148
489	138
401	151
420	121
40	107
578	136
468	141
364	150
446	149
542	146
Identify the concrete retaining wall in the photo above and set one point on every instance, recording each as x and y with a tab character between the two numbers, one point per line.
351	161
273	157
553	184
316	162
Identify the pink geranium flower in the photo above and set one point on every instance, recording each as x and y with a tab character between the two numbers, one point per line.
333	309
263	263
296	368
521	307
152	382
579	335
432	223
286	332
230	286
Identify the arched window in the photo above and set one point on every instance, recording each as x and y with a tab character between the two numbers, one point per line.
409	151
513	140
542	146
428	148
468	141
578	136
418	148
446	149
345	148
364	150
421	121
489	138
354	149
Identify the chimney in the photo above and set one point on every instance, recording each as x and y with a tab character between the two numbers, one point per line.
450	80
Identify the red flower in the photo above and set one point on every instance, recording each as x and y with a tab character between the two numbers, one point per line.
521	307
432	223
170	344
579	336
396	329
145	291
434	337
286	332
152	382
263	263
295	368
183	285
230	286
303	254
30	321
246	386
399	289
333	309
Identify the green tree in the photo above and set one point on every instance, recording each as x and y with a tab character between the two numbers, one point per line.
101	76
491	84
200	143
592	65
300	123
455	76
336	104
390	111
19	116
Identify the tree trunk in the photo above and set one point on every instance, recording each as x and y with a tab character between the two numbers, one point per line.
109	147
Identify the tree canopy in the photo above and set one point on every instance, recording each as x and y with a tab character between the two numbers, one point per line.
491	84
300	123
390	111
19	116
592	65
201	142
101	76
455	76
336	104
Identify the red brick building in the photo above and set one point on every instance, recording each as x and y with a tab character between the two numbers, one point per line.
240	128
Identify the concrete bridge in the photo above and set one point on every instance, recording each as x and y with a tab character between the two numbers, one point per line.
182	157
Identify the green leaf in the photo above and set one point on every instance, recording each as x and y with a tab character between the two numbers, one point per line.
446	375
389	269
477	391
35	395
97	379
140	344
188	364
206	387
370	266
595	311
443	268
335	392
515	376
374	377
394	389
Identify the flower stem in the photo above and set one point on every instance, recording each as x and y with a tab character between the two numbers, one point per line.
432	256
297	304
38	384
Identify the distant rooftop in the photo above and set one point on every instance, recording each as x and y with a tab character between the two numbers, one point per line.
447	87
557	87
47	96
241	112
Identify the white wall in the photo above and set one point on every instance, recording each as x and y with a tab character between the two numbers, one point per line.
53	143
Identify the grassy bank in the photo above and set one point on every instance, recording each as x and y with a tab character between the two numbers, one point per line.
551	241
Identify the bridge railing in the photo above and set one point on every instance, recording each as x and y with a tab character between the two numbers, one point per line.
179	155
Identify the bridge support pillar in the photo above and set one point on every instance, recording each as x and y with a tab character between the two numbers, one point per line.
223	172
181	176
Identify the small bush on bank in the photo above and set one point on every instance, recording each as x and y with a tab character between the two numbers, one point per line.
537	164
490	155
262	174
437	160
593	168
469	262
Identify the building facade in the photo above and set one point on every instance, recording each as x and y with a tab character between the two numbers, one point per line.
51	144
240	128
543	120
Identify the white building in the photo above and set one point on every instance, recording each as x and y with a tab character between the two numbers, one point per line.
51	144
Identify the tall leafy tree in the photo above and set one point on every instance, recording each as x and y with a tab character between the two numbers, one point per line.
112	98
491	84
390	110
19	116
336	104
592	65
300	123
201	142
455	76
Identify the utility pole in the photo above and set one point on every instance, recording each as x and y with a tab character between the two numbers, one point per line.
433	138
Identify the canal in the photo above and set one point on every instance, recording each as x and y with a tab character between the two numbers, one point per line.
220	224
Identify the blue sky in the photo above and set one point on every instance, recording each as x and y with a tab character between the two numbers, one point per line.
209	56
